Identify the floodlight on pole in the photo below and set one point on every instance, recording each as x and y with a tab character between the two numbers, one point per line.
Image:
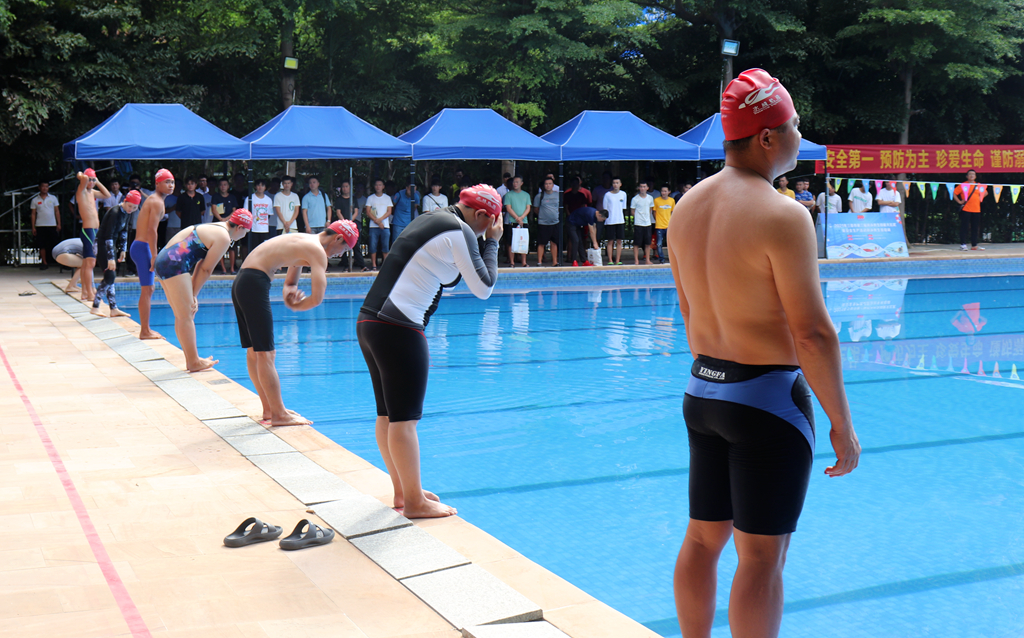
730	49
291	63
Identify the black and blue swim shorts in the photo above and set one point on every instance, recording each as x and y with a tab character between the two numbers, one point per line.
751	434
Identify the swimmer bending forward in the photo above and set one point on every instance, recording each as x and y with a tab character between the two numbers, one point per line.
435	251
185	264
744	259
250	295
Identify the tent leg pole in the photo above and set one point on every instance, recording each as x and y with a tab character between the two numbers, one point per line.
352	215
561	230
824	224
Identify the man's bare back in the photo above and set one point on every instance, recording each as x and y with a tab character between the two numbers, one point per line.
736	230
286	251
150	214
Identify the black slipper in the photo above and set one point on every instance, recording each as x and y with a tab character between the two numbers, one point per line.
313	536
258	532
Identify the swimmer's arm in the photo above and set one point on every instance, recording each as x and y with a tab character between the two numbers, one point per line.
102	189
792	251
593	235
206	266
479	272
318	280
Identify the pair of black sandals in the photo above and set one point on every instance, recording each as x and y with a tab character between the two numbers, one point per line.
253	530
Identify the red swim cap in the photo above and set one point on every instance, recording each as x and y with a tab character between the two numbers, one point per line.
90	173
753	102
133	197
241	217
482	197
348	230
163	175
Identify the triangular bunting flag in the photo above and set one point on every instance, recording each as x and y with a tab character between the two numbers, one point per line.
906	187
949	189
935	189
839	183
1014	192
921	186
878	186
997	190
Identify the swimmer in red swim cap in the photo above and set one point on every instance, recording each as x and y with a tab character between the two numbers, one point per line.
744	260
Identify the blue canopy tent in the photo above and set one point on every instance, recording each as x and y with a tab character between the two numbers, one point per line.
322	132
476	134
709	135
156	132
616	135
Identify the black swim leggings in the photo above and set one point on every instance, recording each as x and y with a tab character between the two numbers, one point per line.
106	289
969	222
398	360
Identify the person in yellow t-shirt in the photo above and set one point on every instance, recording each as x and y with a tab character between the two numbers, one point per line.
662	213
784	188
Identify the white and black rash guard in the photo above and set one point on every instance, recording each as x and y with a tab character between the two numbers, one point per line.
434	252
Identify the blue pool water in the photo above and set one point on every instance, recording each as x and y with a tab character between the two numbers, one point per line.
553	421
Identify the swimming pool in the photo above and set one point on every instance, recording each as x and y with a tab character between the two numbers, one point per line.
553	422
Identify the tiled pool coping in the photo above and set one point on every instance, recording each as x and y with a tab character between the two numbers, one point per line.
511	280
470	598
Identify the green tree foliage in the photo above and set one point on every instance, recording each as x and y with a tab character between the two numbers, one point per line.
968	48
65	66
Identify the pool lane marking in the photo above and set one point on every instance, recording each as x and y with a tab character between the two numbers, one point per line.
124	600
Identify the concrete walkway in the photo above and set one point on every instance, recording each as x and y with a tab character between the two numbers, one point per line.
115	499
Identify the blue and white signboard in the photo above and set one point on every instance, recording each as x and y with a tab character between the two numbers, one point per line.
862	235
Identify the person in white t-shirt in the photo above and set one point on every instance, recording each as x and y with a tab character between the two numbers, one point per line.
860	199
286	207
435	199
378	209
889	199
45	222
615	225
642	207
506	179
261	206
835	202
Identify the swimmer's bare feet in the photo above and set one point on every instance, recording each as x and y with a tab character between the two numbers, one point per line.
97	312
291	419
150	335
116	312
429	509
70	289
266	418
204	364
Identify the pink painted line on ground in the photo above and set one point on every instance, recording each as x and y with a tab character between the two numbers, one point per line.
124	600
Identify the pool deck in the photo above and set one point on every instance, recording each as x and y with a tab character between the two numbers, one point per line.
115	499
122	475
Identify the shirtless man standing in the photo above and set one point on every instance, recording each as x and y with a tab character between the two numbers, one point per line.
85	197
144	247
251	296
185	264
744	261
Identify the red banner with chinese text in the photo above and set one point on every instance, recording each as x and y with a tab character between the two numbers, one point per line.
923	158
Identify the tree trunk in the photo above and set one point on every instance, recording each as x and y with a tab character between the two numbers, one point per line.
287	51
907	75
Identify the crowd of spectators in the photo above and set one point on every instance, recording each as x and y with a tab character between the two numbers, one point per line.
560	228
